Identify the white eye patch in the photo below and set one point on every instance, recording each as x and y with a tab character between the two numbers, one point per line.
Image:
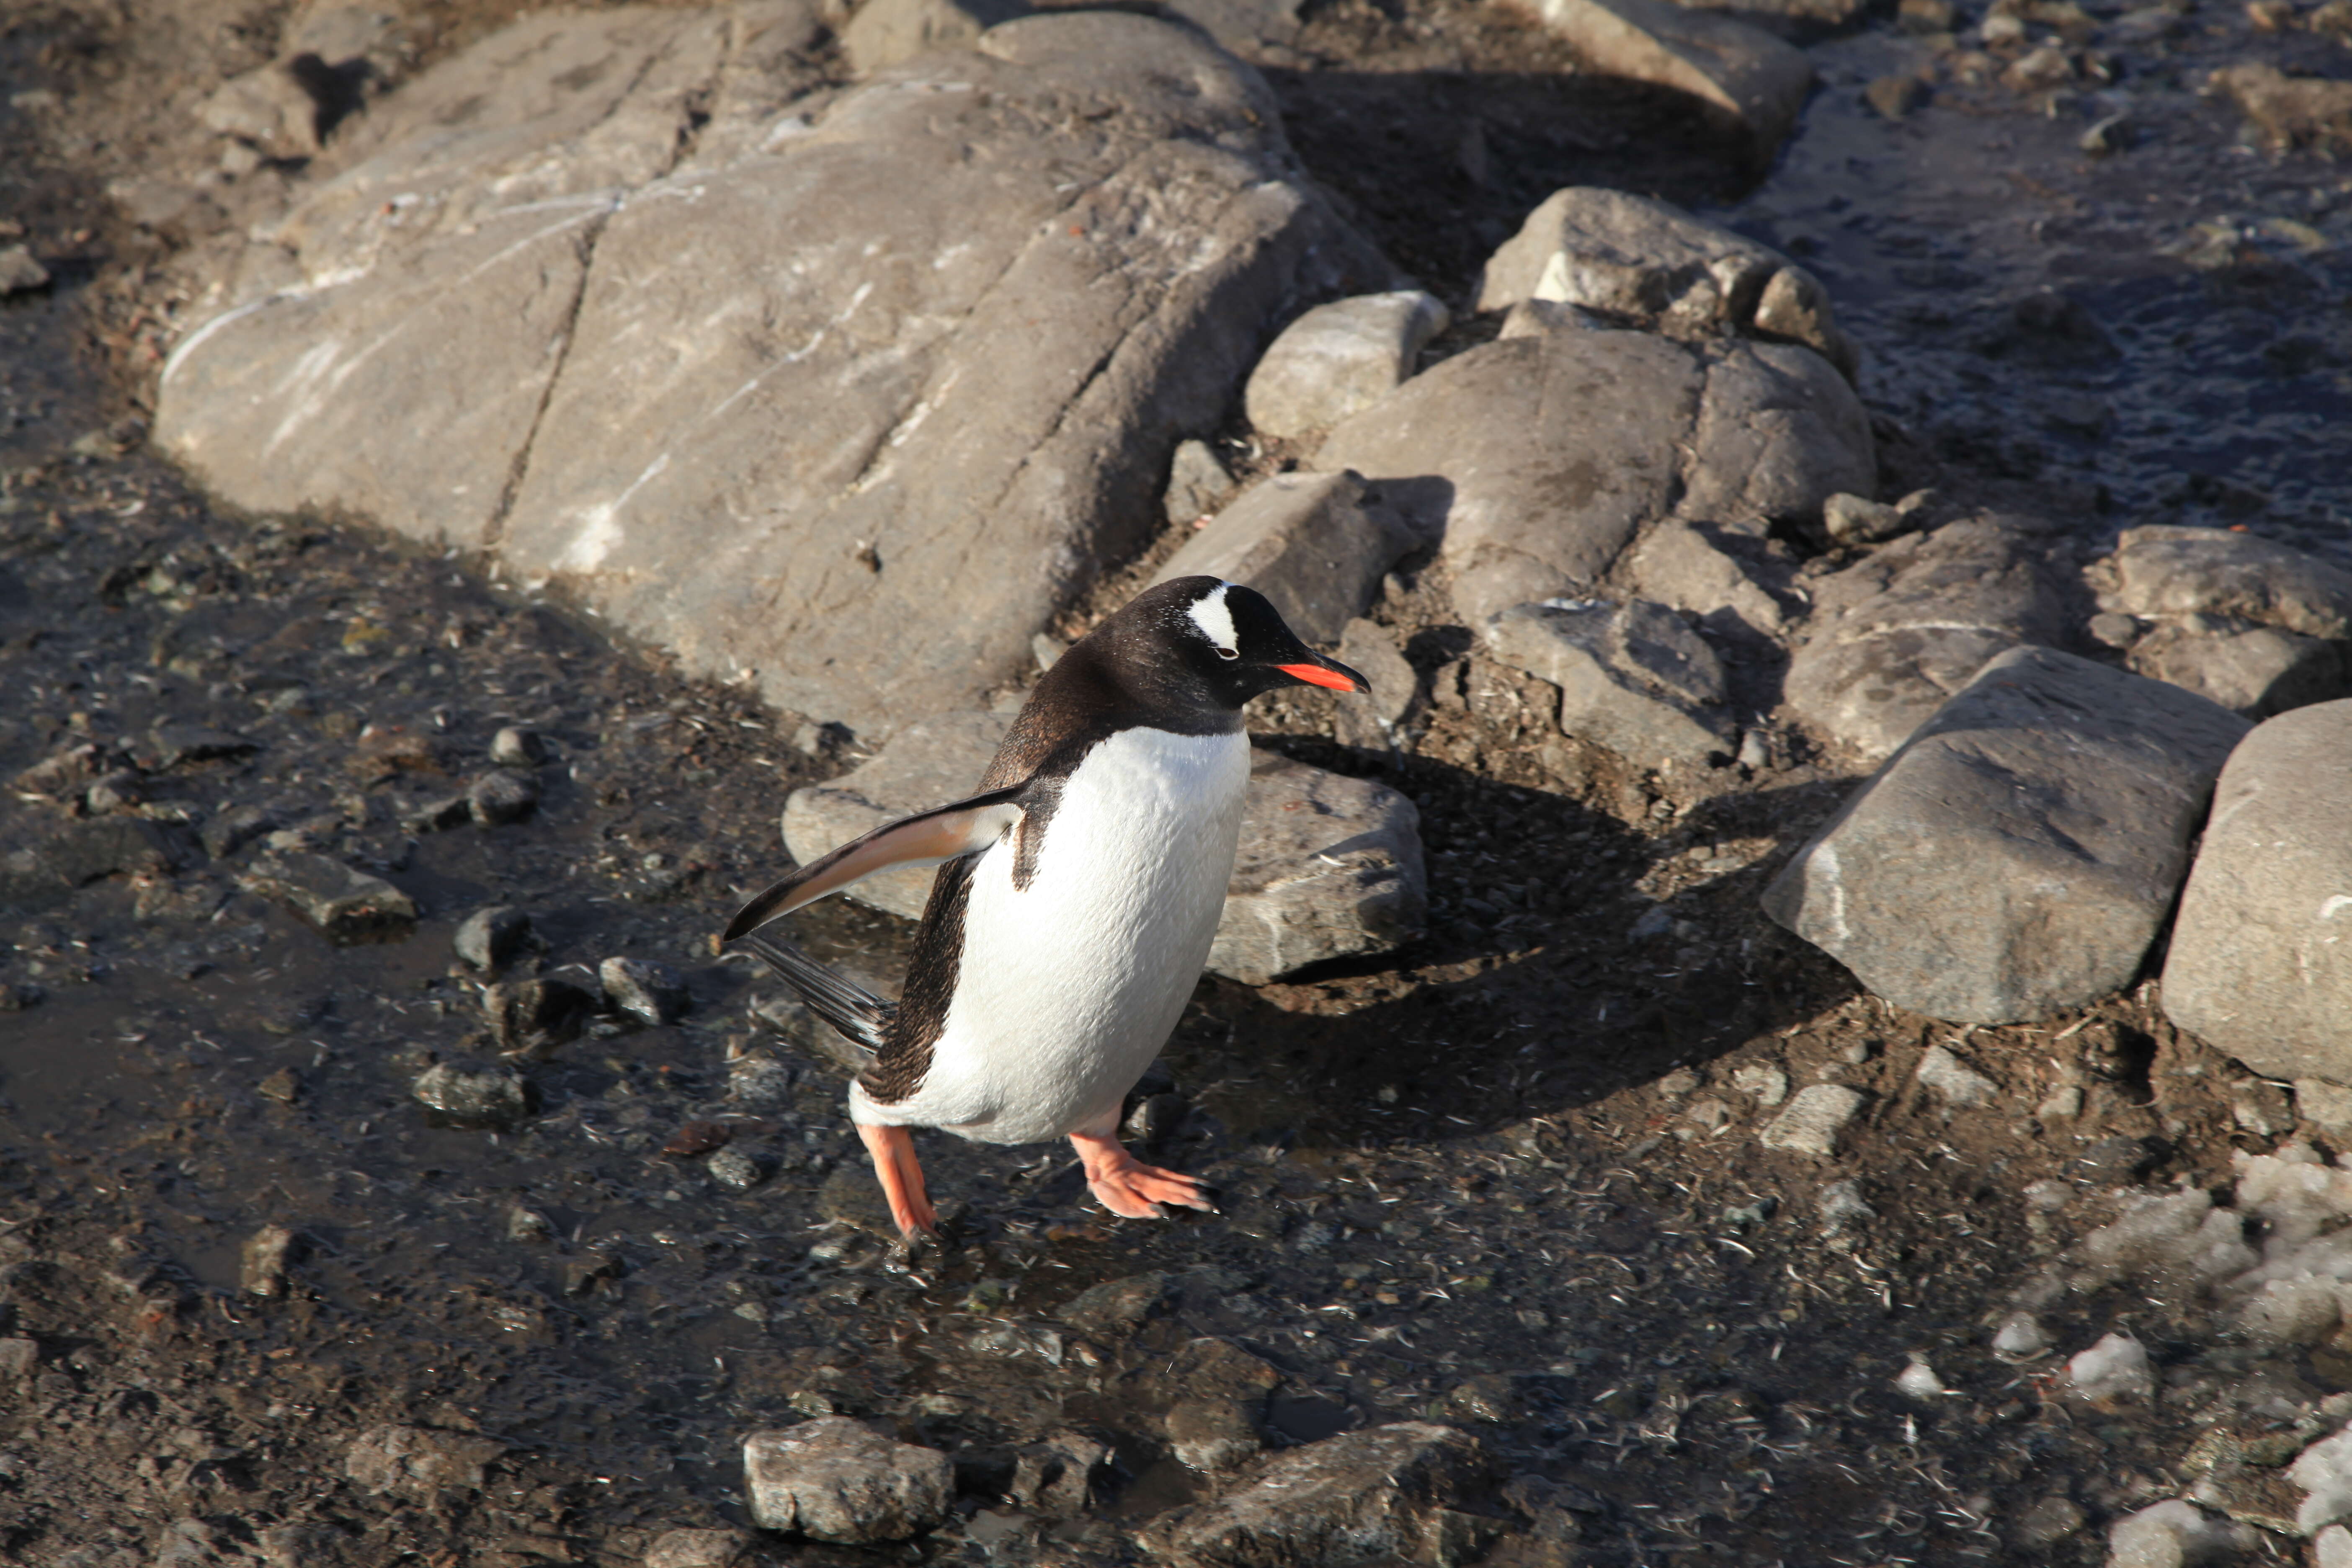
1215	620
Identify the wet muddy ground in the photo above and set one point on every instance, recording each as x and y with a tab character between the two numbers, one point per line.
1506	1178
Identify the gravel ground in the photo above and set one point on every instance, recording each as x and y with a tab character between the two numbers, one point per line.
1511	1178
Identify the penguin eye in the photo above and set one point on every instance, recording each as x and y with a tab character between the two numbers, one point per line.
1229	653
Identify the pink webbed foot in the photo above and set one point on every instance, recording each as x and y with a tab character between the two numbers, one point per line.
901	1176
1130	1188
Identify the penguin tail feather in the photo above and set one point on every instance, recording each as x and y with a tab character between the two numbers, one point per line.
859	1014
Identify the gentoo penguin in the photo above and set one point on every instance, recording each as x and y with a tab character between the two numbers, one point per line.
1081	892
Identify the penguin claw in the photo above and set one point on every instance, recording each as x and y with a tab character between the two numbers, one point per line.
1133	1190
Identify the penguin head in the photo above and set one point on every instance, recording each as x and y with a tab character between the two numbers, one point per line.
1232	641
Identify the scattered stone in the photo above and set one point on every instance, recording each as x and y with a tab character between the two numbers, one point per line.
1381	1493
267	107
437	814
284	1086
1213	1435
1919	1380
2062	1103
528	1224
534	1017
345	904
1340	359
490	939
1534	318
418	1462
1116	1307
2324	1471
699	1548
2287	110
2257	966
2174	571
1376	719
2114	1372
1640	260
1198	485
1631	677
1855	520
885	32
1041	370
2262	1109
2110	629
1767	1083
1056	1478
2254	673
171	745
19	273
2019	854
1811	1122
644	989
1900	631
1745	75
757	1082
517	748
736	1169
2049	1520
1734	580
2176	1535
1959	1085
1328	866
835	1480
233	829
2021	1338
1317	545
261	1263
19	1358
498	799
1897	95
474	1093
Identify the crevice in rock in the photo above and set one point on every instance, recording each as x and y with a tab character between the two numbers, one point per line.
494	534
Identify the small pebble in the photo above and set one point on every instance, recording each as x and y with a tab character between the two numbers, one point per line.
490	939
757	1082
1767	1083
473	1092
517	748
19	273
528	1224
1812	1120
497	799
734	1169
643	989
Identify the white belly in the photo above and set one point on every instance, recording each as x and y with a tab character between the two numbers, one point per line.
1069	986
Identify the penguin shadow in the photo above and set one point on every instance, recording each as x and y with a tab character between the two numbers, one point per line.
1566	958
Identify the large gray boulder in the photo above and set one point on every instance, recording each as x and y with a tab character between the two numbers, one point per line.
834	1479
2260	964
1631	677
1648	262
1328	866
2017	856
1315	545
1536	458
2164	571
608	297
1895	635
1733	579
1340	359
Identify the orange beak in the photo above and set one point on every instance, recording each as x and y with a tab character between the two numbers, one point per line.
1337	677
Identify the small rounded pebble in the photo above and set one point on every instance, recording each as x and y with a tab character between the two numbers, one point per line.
734	1169
517	748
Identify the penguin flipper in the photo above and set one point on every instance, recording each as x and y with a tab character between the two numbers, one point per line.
857	1013
925	838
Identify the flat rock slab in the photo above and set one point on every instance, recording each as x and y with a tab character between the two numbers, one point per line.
2260	964
1536	459
1812	1120
2019	852
346	904
1315	545
2166	571
1897	634
1340	359
606	297
419	1462
1745	75
1632	676
1380	1495
1648	262
1329	866
834	1479
2254	673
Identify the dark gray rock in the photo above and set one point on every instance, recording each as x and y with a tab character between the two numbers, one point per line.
1732	579
835	1480
82	852
1328	866
1197	483
2166	571
513	747
474	1093
534	1017
1213	1435
2258	964
1317	545
345	904
1536	459
757	1082
1895	635
173	743
1376	719
261	1262
1745	76
450	325
502	797
644	989
1641	260
1056	1478
736	1169
1117	1306
699	1548
1632	676
1340	359
1382	1494
2253	671
2019	852
439	814
233	829
19	273
419	1463
492	938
